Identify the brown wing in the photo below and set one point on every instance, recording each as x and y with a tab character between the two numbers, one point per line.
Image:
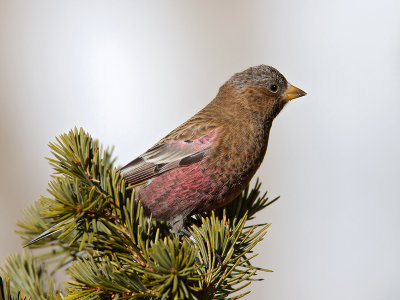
167	156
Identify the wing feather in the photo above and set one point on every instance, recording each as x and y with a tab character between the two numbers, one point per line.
167	156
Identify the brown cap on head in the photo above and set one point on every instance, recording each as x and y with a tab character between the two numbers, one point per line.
267	77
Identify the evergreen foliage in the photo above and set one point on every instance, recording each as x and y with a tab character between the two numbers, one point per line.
90	226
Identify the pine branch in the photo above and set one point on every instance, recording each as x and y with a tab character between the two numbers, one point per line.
93	222
29	277
231	241
5	291
247	203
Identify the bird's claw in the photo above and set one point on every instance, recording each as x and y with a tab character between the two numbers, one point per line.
185	232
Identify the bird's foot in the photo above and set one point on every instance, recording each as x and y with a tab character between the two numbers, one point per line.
177	224
185	232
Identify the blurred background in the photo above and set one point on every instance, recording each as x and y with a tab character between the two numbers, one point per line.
130	71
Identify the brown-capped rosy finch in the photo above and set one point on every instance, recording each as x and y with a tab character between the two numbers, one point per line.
208	160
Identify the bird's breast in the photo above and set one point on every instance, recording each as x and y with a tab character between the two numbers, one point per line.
237	155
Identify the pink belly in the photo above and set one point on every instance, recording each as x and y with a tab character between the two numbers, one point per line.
184	191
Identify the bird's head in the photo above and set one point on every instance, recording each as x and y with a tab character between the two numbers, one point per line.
264	89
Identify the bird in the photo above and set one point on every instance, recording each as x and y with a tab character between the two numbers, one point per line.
210	159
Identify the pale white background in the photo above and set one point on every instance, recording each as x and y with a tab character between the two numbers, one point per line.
131	71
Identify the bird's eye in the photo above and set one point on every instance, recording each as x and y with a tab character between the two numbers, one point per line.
273	88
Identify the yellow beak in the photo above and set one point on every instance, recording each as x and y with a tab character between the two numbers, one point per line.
293	92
